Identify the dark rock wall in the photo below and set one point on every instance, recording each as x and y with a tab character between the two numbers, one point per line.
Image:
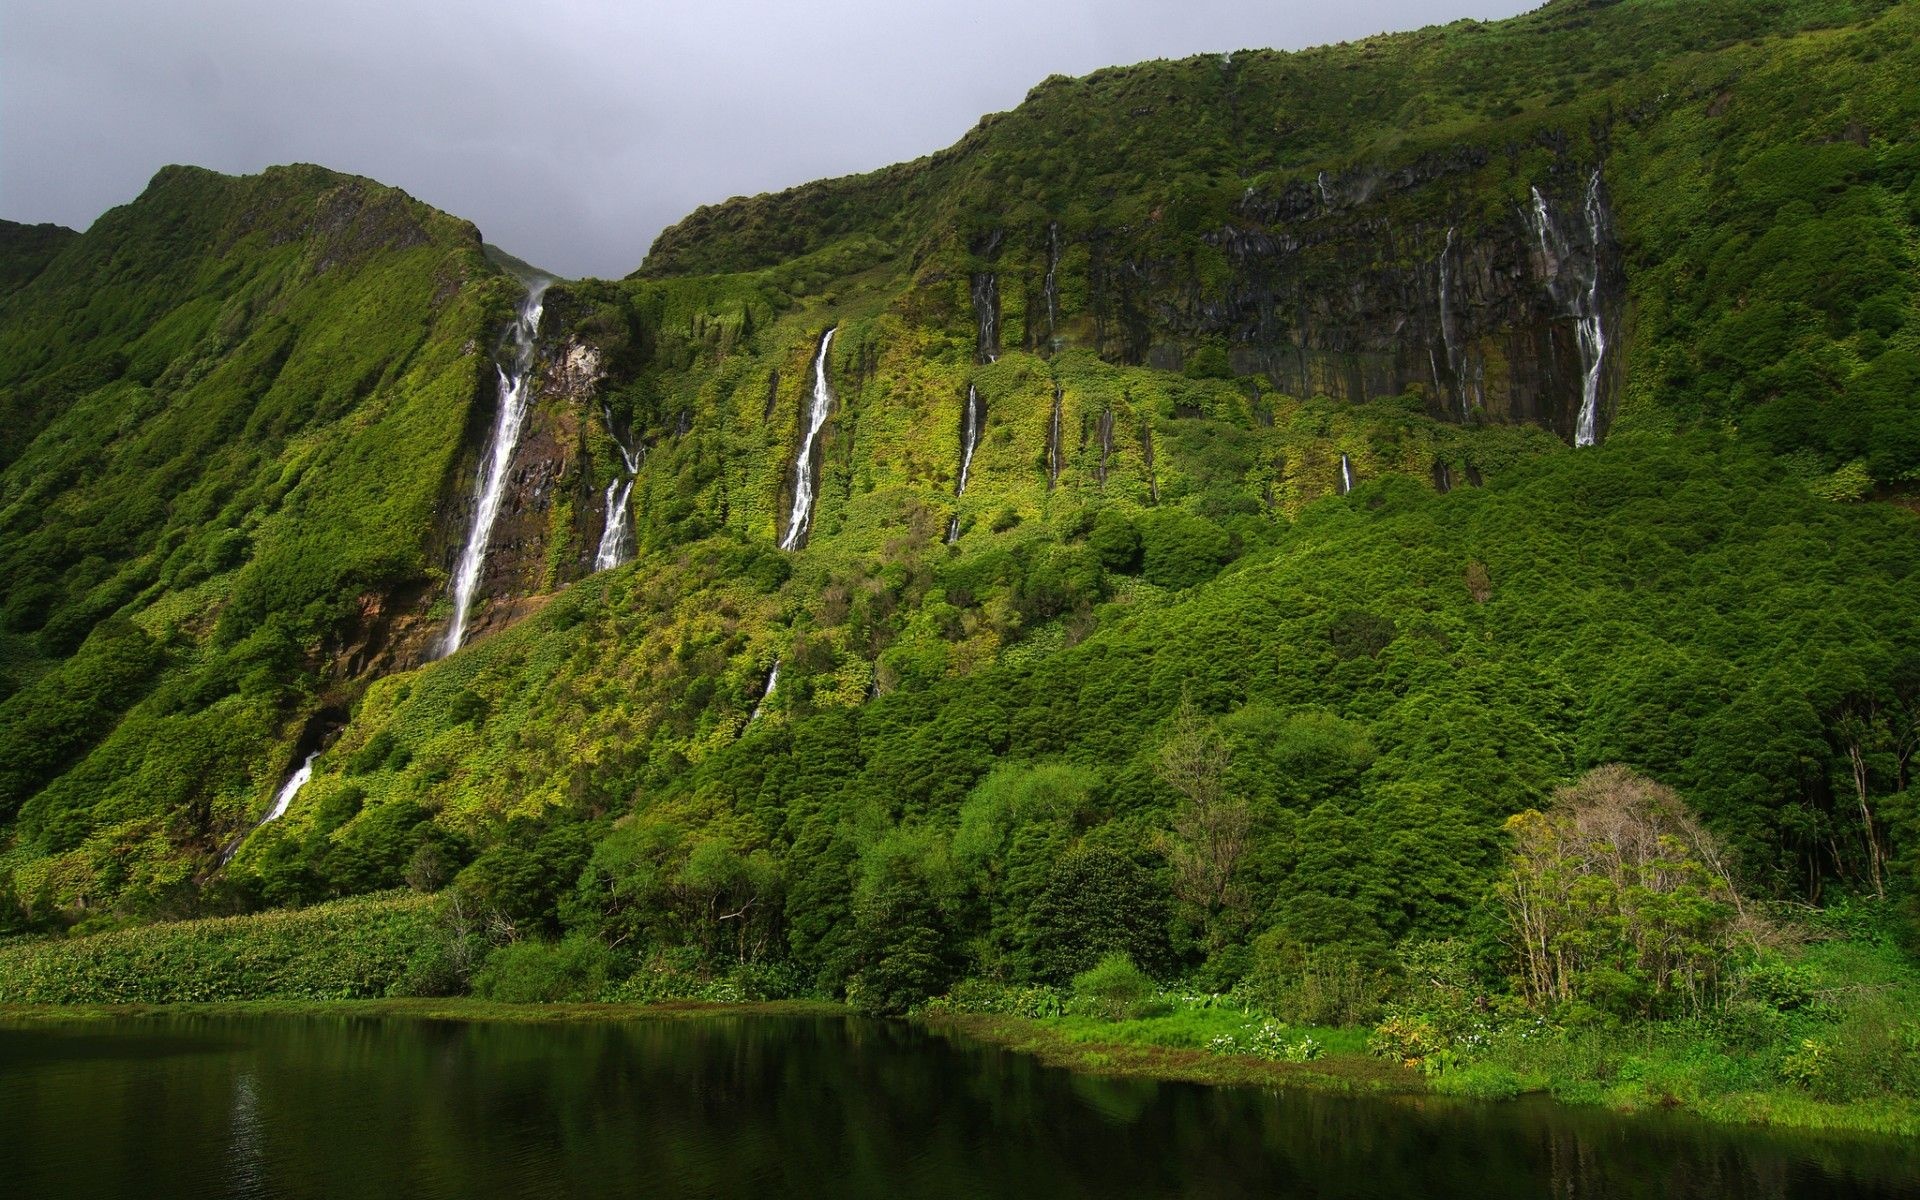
1334	287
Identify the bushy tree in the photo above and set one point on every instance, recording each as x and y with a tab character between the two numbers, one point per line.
1617	897
1095	901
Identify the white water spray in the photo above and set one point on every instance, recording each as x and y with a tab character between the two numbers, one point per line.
986	304
970	423
1576	287
616	539
515	390
766	694
801	517
282	800
1346	474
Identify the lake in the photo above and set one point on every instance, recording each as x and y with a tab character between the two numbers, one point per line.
787	1106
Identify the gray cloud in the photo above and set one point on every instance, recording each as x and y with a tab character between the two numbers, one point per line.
572	131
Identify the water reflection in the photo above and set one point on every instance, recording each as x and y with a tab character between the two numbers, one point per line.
789	1107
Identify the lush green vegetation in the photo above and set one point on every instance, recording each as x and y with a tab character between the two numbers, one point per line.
228	413
368	946
1591	771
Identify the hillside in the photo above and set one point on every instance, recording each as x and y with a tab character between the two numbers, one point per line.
1398	430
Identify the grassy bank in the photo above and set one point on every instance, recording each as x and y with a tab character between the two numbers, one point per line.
1175	1047
1630	1070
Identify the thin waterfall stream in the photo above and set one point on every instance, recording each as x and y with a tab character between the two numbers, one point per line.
800	520
282	800
766	693
616	538
1574	277
970	423
515	391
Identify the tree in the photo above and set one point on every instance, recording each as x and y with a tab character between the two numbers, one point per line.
902	949
1617	897
1095	901
1213	828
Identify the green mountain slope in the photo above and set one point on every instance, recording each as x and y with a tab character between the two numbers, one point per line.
233	409
1223	404
25	250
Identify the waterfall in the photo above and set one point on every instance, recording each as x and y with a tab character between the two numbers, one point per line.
1442	476
970	422
1053	442
282	800
616	537
1456	364
1050	289
766	693
1346	474
986	314
1106	444
1326	197
515	391
1574	284
801	519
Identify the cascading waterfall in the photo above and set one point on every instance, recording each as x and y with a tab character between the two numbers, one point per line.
801	518
616	538
1053	441
1346	474
986	314
282	800
1574	283
970	423
1051	289
766	693
515	391
1326	197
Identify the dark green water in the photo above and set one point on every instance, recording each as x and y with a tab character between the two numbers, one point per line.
785	1107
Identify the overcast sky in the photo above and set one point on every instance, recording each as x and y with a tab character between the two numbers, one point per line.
570	131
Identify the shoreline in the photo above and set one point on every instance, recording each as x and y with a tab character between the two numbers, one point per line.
452	1008
1347	1073
1335	1072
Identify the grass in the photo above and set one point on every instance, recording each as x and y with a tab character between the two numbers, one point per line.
1626	1070
1174	1047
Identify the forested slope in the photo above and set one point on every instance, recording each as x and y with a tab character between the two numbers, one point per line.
1222	496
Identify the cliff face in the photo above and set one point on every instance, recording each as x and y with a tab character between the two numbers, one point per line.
1357	286
551	515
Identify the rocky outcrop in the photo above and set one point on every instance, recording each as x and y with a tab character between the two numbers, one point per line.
549	520
1379	282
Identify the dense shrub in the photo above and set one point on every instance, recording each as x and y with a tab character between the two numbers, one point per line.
536	972
348	949
1112	988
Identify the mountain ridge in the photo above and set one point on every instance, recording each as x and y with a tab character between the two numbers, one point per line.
1407	479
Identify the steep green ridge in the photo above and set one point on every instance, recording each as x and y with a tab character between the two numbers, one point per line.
1113	146
1279	362
25	250
232	410
1270	206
